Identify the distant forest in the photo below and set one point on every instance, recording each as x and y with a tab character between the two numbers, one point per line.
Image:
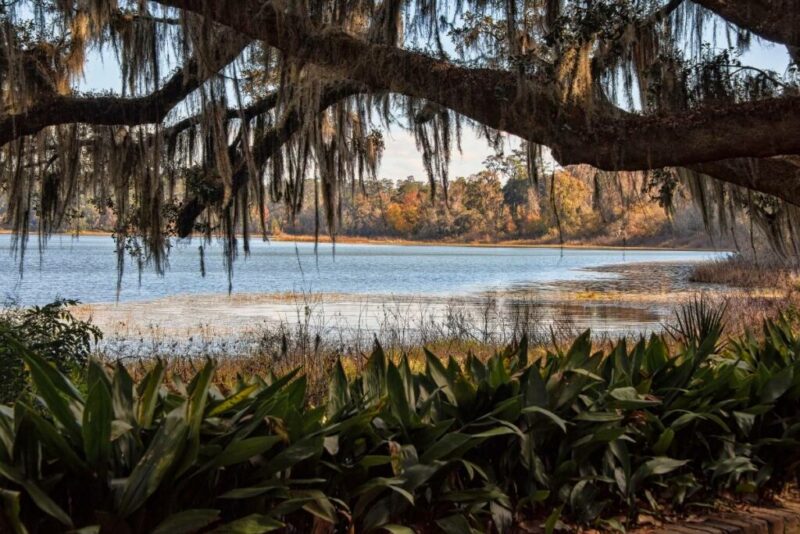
498	203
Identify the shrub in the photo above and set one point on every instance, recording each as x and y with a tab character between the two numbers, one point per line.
451	447
52	332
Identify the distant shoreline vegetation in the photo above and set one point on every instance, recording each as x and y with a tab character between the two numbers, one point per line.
385	240
497	205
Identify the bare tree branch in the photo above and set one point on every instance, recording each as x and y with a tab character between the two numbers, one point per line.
258	107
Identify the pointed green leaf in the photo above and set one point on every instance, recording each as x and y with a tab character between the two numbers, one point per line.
252	524
37	495
777	385
187	522
440	376
122	394
98	415
58	393
242	450
446	445
338	393
11	510
562	424
234	401
164	451
53	439
148	399
397	396
664	441
293	454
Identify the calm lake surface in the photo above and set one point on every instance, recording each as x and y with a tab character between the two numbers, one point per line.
84	269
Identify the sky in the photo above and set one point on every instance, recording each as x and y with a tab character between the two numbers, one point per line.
401	158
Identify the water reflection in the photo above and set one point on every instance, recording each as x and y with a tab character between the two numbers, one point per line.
234	325
84	269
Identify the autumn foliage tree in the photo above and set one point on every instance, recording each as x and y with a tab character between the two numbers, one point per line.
498	203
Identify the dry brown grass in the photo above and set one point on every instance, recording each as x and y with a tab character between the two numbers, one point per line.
739	271
280	353
316	359
747	313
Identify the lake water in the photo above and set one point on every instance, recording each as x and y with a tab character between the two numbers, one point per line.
359	291
84	268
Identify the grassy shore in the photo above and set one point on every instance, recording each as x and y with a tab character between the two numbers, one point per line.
746	272
513	243
628	299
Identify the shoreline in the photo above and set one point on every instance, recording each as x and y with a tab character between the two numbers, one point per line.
389	241
636	297
635	300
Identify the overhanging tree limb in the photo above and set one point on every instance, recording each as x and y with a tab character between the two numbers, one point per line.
603	136
110	110
262	105
774	20
778	176
266	147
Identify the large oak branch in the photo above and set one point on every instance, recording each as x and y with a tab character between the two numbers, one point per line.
774	20
111	110
537	112
779	176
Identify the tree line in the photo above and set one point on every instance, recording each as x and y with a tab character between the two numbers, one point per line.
499	202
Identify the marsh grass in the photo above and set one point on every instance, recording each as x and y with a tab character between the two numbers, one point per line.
741	271
314	344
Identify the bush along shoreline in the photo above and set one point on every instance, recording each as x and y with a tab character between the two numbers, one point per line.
576	437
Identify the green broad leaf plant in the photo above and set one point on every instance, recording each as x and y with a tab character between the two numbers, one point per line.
577	435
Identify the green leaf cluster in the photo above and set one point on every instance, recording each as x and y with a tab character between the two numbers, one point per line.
52	332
